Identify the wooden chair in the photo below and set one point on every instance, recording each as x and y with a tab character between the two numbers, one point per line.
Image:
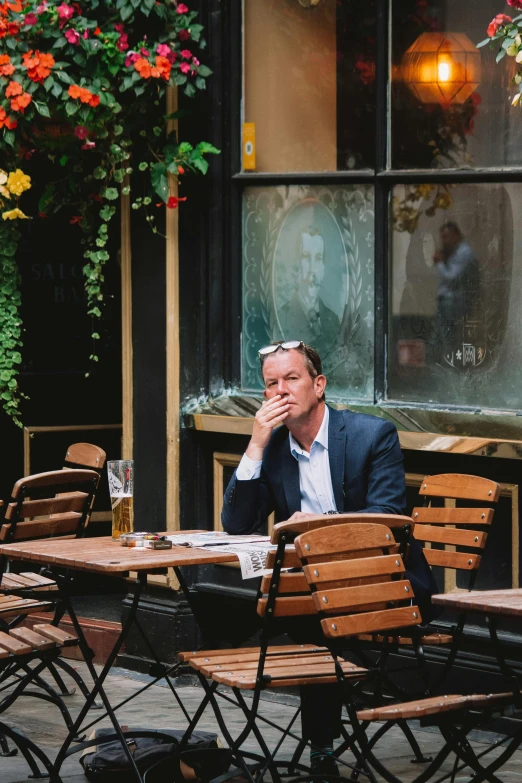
351	601
255	669
47	505
454	538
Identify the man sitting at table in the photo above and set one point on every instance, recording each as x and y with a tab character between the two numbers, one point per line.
322	461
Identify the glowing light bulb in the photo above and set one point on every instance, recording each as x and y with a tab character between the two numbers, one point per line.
444	72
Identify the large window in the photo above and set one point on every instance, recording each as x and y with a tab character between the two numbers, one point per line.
382	222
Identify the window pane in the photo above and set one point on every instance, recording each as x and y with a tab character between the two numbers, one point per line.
455	314
309	81
308	275
451	106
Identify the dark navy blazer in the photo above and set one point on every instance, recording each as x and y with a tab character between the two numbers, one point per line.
366	466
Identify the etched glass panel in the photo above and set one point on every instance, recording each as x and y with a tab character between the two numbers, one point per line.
456	295
308	274
450	102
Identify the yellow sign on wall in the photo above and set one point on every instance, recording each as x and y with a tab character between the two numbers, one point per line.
249	146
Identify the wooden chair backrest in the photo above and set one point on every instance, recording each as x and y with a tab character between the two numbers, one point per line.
85	455
455	527
357	585
53	504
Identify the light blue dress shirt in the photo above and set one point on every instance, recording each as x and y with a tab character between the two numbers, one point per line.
315	480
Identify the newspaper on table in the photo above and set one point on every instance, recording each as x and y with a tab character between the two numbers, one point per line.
252	551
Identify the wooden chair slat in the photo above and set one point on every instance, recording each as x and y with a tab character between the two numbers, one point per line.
271	665
460	560
453	516
52	479
353	569
87	455
433	706
443	535
343	538
368	622
272	650
72	501
288	583
349	598
38	579
58	525
289	606
460	485
63	638
289	676
35	640
233	658
14	646
299	526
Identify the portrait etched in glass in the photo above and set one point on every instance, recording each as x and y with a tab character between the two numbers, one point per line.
308	275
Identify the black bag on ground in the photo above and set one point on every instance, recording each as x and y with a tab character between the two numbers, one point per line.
157	758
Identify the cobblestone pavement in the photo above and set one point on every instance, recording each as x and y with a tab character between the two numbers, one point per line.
156	708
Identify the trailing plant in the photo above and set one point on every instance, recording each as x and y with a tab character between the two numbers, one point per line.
12	186
82	84
507	32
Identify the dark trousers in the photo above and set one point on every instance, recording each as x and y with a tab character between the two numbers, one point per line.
321	705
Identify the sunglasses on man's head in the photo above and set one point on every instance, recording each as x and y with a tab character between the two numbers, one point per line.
286	346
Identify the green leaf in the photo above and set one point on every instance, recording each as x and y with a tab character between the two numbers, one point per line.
126	12
60	43
500	55
205	148
71	108
160	181
111	194
200	164
48	83
42	109
205	71
63	76
482	43
99	173
9	137
189	90
57	90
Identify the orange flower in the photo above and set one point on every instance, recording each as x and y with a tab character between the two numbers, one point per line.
21	102
13	88
9	122
74	91
85	95
38	65
97	31
6	66
143	67
164	67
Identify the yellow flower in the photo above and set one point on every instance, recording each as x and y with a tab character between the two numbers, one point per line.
3	190
3	177
12	214
17	182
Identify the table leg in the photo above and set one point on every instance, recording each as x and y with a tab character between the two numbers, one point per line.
98	685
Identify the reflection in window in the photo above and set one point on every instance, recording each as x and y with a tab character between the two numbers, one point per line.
309	79
455	295
450	104
308	274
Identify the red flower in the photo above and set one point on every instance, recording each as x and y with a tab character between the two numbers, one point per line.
173	202
182	8
499	21
76	219
184	68
13	88
186	54
9	122
21	102
515	4
181	170
97	31
184	35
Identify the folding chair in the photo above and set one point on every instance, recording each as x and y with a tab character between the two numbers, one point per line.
85	455
283	595
350	600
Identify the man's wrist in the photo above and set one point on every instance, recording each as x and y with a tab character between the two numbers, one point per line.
255	452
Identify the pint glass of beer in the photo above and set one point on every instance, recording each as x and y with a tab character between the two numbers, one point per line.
121	486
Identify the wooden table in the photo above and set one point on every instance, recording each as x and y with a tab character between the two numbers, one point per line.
105	556
507	603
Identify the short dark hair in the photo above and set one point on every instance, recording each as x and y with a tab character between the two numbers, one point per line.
450	225
310	356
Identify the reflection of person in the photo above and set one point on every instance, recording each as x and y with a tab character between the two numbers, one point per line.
322	460
305	313
458	276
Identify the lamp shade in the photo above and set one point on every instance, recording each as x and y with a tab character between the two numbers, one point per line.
441	68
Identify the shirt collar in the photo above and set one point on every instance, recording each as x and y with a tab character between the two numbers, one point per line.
321	437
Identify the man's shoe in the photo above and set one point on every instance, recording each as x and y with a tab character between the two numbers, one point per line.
324	765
